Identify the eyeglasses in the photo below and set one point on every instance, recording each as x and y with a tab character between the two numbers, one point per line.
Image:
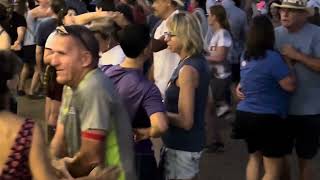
63	31
168	35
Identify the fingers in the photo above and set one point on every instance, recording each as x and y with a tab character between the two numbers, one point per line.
110	173
239	93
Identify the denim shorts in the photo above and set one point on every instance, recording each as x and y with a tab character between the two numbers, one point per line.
180	164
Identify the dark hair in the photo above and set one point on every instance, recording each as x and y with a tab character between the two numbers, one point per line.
133	39
221	16
315	19
269	6
106	5
10	64
237	3
3	14
59	7
72	8
85	37
202	5
104	29
260	38
126	10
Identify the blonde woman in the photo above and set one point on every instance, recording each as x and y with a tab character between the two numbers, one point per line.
185	99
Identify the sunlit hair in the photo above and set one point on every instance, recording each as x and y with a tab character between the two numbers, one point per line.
187	28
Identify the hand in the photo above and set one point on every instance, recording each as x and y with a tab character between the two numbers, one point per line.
16	46
119	19
289	61
108	173
61	169
290	52
158	44
239	93
141	134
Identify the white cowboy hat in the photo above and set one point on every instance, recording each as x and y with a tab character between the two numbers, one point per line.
294	4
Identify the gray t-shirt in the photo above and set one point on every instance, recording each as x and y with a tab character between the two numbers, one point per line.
305	100
94	104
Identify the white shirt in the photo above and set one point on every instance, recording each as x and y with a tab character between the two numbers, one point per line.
164	61
113	56
221	38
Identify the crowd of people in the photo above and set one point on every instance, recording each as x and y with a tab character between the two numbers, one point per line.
115	74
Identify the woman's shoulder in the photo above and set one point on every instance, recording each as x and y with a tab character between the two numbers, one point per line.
4	40
11	123
223	32
198	62
273	54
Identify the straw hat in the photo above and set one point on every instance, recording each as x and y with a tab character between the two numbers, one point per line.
295	4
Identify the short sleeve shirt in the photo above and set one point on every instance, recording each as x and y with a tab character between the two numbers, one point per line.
141	97
94	104
113	56
45	28
81	111
221	38
260	84
16	21
305	99
164	61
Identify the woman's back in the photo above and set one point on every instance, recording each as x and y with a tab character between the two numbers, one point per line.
15	146
260	85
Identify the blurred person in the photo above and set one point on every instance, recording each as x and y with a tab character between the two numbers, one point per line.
53	89
15	25
105	5
217	57
111	52
164	61
299	43
24	154
138	8
47	26
219	47
238	26
5	41
22	6
17	129
141	97
315	19
78	5
33	18
197	8
93	126
266	81
185	100
71	11
126	11
274	14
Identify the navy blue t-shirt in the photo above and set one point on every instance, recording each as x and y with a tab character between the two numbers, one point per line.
260	85
45	28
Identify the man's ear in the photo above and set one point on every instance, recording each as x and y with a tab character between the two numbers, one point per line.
86	59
